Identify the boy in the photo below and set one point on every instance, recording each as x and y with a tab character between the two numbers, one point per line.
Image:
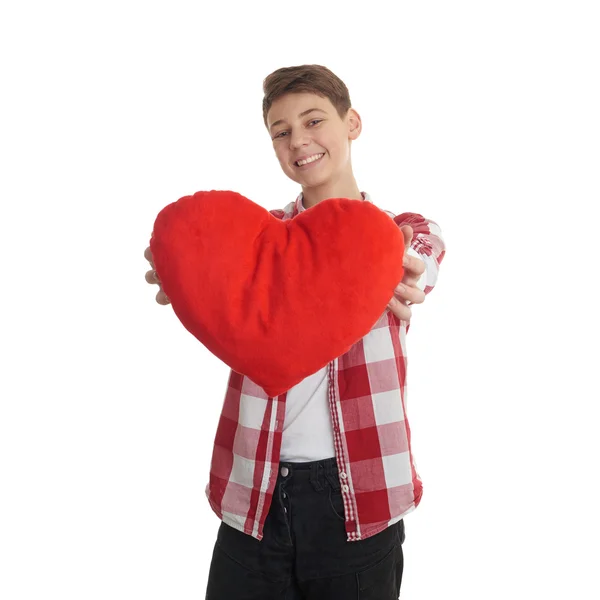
312	486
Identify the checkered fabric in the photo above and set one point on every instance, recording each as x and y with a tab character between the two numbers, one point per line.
367	401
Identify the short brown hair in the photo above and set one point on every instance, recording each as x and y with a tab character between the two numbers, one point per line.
314	79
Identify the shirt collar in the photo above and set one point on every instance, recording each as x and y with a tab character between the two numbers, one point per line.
300	207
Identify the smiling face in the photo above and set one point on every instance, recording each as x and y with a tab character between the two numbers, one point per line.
305	125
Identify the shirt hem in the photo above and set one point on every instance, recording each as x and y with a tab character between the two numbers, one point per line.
370	532
248	531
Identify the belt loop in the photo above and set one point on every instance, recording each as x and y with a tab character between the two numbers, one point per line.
331	475
316	476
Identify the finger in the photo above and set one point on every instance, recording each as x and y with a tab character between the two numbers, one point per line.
406	293
409	279
162	298
148	256
403	312
152	277
407	232
415	266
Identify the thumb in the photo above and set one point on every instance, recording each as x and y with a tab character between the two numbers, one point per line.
407	231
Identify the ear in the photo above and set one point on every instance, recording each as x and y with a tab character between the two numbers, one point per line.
354	124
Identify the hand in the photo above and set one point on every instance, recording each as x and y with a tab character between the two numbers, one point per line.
152	277
407	290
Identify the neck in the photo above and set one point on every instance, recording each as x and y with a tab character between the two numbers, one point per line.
313	195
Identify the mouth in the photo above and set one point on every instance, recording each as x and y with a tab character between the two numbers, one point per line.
312	162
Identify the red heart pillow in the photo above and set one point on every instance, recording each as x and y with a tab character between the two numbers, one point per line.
276	300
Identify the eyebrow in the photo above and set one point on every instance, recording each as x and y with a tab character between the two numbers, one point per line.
302	114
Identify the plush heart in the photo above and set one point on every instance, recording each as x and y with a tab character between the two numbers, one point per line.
276	300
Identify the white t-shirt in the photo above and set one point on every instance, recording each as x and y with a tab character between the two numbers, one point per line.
307	431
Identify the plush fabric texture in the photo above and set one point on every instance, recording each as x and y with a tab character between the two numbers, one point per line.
276	300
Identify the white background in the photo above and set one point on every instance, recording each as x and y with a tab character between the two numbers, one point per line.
482	116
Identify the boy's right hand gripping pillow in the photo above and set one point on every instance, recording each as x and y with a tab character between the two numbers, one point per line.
276	300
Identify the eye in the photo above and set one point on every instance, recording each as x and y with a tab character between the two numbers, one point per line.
313	121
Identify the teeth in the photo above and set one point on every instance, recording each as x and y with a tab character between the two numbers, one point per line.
309	160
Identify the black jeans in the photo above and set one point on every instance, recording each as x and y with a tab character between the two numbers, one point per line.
304	553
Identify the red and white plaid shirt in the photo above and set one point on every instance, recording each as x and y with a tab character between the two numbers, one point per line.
367	402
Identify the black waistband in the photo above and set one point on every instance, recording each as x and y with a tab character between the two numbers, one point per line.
326	463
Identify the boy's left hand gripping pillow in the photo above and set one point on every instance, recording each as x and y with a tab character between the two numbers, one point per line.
276	300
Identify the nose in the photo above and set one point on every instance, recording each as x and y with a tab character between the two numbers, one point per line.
298	139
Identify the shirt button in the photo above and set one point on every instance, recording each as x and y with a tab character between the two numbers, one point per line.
345	488
343	475
285	471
